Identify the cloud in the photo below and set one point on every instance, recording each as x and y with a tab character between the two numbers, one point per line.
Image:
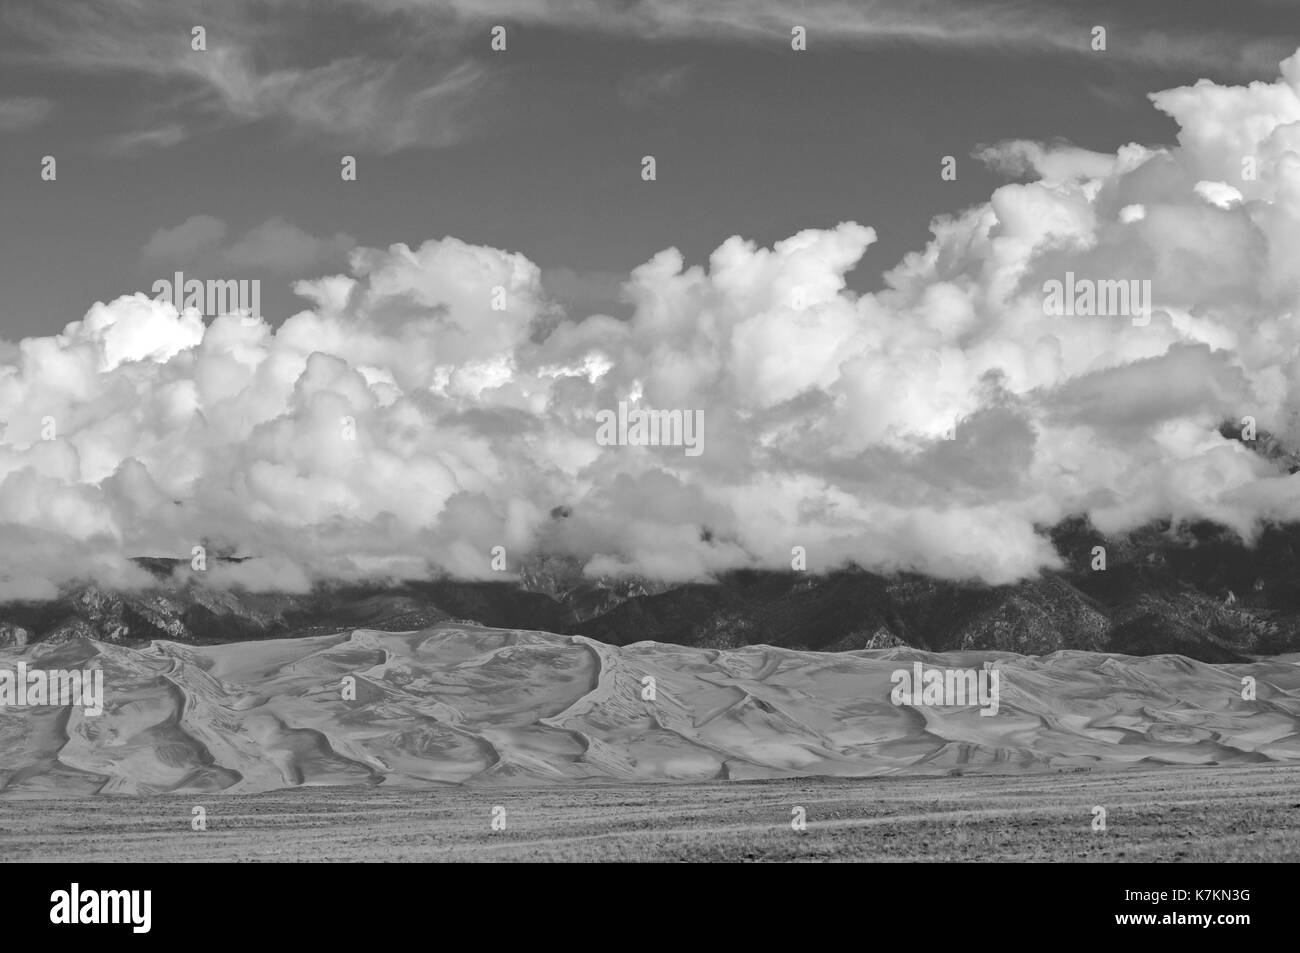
586	291
142	140
1052	165
23	112
981	25
383	106
400	82
1218	193
431	403
413	73
650	87
275	247
197	235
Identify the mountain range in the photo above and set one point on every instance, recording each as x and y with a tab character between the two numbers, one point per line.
1194	589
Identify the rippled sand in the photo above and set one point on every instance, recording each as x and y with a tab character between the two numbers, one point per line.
461	704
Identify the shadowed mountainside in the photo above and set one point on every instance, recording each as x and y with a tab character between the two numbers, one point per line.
1192	590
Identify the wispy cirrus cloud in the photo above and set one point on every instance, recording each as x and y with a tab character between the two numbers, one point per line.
1050	27
142	140
23	112
646	88
395	74
349	74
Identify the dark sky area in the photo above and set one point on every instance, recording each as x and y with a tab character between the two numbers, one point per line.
537	149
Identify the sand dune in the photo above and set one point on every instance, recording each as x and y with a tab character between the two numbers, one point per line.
461	704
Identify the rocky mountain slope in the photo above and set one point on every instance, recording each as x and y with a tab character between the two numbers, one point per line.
1195	590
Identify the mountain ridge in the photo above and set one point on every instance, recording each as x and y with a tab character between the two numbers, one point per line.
1191	589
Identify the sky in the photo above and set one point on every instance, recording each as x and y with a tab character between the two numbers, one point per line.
537	148
781	174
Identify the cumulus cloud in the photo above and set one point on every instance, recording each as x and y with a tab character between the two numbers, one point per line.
432	403
1052	165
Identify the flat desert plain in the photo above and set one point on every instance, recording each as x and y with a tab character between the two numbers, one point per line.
1244	813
